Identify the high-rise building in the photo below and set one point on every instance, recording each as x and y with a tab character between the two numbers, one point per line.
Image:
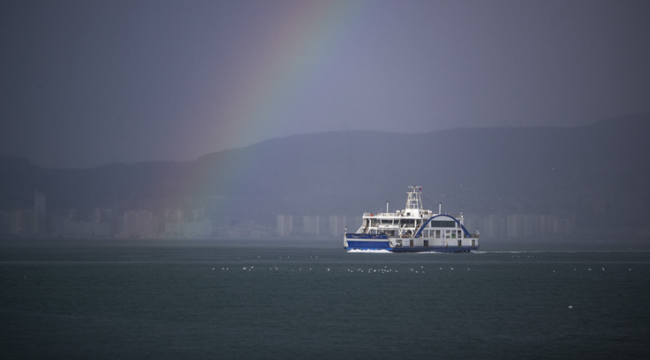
311	225
337	225
285	225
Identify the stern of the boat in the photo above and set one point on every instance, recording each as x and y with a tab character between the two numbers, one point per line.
366	242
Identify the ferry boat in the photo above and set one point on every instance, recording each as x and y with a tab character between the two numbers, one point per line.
412	229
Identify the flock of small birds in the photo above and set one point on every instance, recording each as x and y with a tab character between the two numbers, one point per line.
384	270
370	270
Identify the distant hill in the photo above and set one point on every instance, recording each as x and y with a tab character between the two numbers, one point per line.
598	174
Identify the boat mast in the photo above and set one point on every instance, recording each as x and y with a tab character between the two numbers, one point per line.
414	200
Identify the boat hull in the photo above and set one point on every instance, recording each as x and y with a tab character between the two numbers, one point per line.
368	245
385	244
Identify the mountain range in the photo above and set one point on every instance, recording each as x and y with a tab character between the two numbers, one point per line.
597	175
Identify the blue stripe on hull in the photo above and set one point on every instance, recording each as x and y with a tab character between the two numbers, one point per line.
385	245
368	245
454	249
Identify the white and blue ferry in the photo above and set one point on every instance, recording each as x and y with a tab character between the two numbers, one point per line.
413	229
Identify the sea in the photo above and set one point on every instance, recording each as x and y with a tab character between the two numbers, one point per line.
311	299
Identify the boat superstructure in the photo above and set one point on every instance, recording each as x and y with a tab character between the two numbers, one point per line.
412	229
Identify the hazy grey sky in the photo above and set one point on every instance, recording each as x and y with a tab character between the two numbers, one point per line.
88	82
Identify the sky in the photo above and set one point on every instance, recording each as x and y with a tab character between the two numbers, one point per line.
84	83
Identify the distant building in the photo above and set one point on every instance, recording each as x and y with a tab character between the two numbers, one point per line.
337	225
40	221
494	227
284	225
140	224
311	225
22	222
520	226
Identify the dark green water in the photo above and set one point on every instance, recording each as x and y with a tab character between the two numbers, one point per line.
306	299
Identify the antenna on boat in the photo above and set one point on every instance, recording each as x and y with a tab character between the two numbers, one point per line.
386	206
440	208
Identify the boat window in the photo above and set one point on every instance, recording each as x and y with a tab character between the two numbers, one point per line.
426	243
407	222
443	223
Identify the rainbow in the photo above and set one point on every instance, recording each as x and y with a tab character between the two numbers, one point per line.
297	47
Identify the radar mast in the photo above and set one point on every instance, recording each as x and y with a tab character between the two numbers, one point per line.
414	200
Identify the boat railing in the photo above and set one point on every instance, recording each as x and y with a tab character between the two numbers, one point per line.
366	236
369	214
